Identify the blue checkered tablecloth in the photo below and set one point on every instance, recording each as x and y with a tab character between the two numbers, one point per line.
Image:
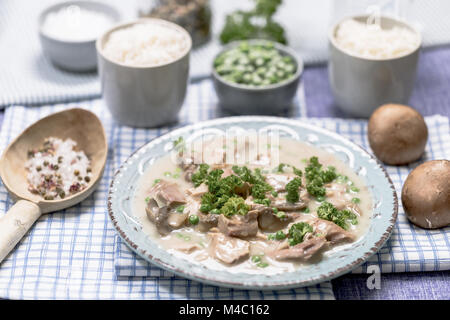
76	254
71	254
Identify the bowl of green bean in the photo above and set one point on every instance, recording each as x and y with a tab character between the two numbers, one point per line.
256	77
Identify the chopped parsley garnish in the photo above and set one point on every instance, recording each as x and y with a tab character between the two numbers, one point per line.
222	186
329	212
257	259
211	202
180	209
234	205
266	202
315	188
244	173
297	232
262	264
208	202
215	211
223	195
199	177
280	214
316	177
184	237
356	200
256	179
341	179
260	189
297	171
280	235
292	189
280	168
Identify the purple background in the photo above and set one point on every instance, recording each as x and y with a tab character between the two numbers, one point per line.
431	96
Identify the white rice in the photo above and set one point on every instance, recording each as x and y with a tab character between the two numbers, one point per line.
57	170
372	42
146	44
73	23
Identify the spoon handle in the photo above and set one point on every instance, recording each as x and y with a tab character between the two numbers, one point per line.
15	224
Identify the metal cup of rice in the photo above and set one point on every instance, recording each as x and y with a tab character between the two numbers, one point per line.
144	69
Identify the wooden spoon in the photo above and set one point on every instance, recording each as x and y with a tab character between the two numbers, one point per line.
80	125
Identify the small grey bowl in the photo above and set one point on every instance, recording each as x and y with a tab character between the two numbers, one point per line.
144	96
264	100
78	56
360	85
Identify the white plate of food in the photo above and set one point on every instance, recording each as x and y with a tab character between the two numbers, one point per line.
253	202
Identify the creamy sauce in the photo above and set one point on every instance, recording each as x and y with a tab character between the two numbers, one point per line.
194	245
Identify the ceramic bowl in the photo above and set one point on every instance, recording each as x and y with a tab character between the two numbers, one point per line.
144	96
78	56
360	85
382	220
264	100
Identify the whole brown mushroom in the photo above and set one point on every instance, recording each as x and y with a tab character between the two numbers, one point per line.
426	195
397	134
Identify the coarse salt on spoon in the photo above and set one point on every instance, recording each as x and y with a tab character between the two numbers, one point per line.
80	125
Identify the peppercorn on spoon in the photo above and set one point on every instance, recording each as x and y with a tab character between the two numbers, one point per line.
80	125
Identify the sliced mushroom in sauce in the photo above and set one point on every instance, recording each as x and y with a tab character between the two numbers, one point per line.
241	214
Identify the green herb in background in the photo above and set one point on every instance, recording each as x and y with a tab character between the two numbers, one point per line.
254	24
